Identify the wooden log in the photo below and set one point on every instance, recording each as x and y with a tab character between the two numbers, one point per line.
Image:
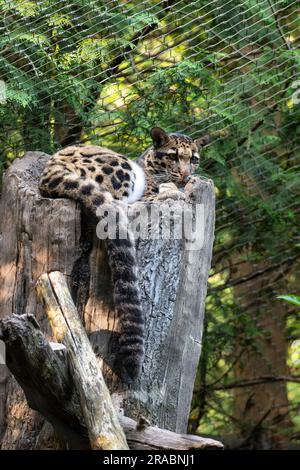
43	373
44	377
41	235
100	416
154	438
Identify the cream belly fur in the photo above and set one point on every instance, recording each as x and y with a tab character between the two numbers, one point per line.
139	181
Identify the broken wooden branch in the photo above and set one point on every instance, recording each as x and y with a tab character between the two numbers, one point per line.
100	417
49	387
152	437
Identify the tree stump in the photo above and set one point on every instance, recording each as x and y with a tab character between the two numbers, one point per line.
40	235
77	404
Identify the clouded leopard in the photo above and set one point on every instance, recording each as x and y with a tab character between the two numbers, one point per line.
96	176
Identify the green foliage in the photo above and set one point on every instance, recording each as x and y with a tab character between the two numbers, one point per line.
292	299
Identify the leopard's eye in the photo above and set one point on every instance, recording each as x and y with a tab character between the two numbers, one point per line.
173	153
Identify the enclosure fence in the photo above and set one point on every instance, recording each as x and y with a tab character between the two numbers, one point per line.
104	72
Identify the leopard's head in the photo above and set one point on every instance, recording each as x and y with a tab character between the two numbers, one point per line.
173	157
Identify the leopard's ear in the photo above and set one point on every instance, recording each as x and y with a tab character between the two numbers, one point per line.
203	141
159	137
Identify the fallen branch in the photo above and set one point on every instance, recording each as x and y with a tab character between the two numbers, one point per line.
100	417
43	373
152	437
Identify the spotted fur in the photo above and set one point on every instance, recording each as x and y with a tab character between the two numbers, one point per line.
96	176
173	158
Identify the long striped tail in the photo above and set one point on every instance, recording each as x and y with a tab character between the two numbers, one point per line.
122	262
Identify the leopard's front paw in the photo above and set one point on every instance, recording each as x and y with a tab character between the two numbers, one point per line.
191	181
169	191
174	195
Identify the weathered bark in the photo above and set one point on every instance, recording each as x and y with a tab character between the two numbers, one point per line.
100	417
41	235
43	373
154	438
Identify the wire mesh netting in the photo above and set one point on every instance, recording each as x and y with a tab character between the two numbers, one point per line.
106	72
